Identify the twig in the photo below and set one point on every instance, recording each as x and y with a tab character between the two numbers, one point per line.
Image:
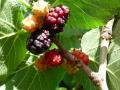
78	63
105	40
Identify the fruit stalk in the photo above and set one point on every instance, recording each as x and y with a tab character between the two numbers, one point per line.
71	57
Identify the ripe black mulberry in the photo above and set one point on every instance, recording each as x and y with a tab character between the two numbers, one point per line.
39	41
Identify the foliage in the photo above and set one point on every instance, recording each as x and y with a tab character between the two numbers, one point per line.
16	64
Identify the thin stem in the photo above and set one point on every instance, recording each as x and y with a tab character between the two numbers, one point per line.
69	56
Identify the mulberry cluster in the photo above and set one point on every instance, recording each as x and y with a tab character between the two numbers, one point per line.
57	18
44	23
39	41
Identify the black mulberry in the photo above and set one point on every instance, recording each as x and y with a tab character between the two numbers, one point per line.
39	41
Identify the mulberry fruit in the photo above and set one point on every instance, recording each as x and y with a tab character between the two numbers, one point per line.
40	64
32	23
81	56
70	67
57	18
53	58
39	41
40	8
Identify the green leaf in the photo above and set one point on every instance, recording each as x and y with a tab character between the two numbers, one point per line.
12	40
70	42
9	86
13	51
10	18
3	72
61	89
72	37
82	79
90	44
114	59
30	79
17	15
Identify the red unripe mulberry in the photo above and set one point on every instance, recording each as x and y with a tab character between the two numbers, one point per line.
53	58
81	56
40	64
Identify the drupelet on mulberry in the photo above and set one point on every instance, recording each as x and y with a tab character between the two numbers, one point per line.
57	18
39	41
